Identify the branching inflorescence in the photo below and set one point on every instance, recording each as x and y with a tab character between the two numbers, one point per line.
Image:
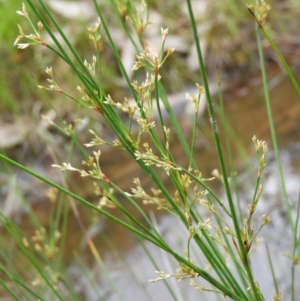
210	228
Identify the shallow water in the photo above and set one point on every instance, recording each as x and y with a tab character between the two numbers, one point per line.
245	108
246	113
275	235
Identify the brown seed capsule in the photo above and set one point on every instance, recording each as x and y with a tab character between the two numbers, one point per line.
98	109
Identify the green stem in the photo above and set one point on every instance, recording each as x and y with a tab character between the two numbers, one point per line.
220	153
272	128
283	61
158	108
81	200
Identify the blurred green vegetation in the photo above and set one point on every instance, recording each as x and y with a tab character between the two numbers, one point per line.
228	30
225	25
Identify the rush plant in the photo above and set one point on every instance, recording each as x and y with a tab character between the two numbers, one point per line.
215	228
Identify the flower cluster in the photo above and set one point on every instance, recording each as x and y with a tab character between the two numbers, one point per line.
153	63
261	149
260	11
183	272
149	158
127	108
139	20
53	86
95	35
156	199
32	39
106	197
92	163
195	99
